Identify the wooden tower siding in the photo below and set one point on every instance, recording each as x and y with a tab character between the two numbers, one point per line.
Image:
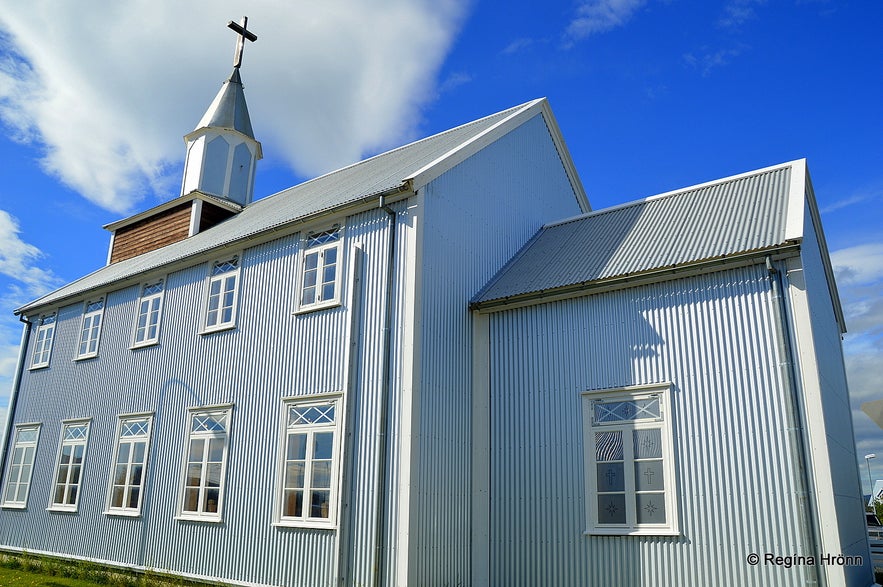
146	235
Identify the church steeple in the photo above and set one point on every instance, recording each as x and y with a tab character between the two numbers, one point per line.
222	151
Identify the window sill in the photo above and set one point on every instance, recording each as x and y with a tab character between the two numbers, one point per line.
79	358
214	329
62	510
206	519
631	532
38	367
14	506
305	524
316	307
123	513
142	345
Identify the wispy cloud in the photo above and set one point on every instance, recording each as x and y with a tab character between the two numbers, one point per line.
19	261
517	46
108	98
599	16
706	60
454	81
738	12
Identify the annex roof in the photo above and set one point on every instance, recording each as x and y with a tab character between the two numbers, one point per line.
403	169
736	216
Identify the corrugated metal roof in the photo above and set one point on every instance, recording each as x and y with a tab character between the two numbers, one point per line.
728	217
348	185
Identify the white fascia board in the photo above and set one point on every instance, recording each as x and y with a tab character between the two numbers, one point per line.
796	194
463	151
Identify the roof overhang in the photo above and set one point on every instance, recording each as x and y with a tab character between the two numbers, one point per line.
656	275
194	195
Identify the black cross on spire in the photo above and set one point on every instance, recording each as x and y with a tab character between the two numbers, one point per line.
243	33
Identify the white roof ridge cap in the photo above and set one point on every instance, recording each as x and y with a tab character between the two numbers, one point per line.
517	111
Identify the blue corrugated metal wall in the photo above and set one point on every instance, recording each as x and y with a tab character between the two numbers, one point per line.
477	215
271	354
713	337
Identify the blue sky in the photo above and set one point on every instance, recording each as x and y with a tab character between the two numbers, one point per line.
650	96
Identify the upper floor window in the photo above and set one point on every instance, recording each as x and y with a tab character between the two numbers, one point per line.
223	293
126	491
321	269
149	315
21	465
90	331
43	343
205	464
629	462
69	469
310	448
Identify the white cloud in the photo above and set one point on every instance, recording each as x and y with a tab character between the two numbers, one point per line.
859	265
18	261
599	16
859	275
108	92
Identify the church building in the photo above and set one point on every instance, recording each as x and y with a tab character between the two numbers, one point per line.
439	366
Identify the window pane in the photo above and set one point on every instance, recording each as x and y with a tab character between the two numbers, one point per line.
650	508
191	500
608	446
194	475
297	446
649	476
216	450
611	477
212	496
611	509
292	503
320	504
119	476
323	445
133	497
628	410
294	475
197	446
322	475
648	444
116	497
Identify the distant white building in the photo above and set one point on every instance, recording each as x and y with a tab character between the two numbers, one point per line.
411	371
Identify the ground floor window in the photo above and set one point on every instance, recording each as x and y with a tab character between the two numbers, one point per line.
205	464
69	470
629	461
21	465
130	465
310	448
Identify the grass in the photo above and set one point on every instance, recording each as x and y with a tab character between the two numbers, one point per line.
27	570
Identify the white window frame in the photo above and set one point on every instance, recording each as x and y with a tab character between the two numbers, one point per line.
297	425
132	429
197	432
312	245
218	276
655	419
90	328
65	477
149	309
43	339
20	471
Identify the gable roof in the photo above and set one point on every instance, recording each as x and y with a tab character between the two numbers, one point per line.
400	170
729	219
